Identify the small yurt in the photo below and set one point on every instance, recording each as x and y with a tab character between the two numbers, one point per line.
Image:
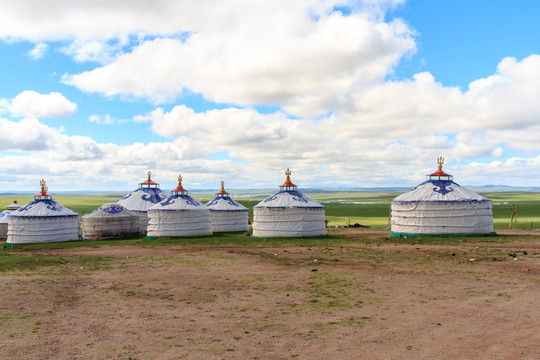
178	215
14	206
439	206
227	214
3	218
42	220
110	221
288	213
139	201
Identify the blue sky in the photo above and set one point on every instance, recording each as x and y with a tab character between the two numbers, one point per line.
345	93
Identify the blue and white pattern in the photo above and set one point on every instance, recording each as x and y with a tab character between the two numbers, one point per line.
288	199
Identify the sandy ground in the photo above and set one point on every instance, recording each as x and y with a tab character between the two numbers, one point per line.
356	301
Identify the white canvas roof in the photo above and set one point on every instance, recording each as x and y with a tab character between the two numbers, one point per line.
224	202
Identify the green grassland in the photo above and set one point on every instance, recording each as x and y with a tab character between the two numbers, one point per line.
342	208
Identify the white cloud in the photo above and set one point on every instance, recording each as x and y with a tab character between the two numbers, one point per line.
306	66
102	119
38	51
33	104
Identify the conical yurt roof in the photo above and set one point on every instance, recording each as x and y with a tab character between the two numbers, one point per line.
14	206
43	206
439	187
288	196
147	195
224	202
179	200
112	210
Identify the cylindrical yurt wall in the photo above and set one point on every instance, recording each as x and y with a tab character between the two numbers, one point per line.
227	214
178	215
4	224
288	213
42	220
439	206
110	221
139	201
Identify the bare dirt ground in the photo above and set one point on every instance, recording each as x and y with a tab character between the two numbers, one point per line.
353	301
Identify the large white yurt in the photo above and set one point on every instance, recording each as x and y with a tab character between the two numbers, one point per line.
110	221
3	218
227	214
288	213
439	206
178	215
42	220
139	201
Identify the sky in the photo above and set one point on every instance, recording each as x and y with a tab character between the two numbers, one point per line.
347	94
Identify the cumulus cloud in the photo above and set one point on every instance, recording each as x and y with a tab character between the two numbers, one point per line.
38	51
307	65
30	103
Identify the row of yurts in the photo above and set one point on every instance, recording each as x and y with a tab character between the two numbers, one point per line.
438	206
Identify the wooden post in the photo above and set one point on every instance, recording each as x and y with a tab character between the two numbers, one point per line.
514	210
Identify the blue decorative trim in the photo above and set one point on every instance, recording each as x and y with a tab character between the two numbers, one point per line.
439	201
23	217
188	199
224	198
113	209
51	205
297	195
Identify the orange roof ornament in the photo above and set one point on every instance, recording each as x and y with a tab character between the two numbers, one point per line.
440	162
440	175
43	187
148	183
222	192
288	185
42	195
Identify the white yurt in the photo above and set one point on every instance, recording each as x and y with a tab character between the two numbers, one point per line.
139	201
288	213
110	221
4	224
439	206
14	206
178	215
3	218
227	214
42	220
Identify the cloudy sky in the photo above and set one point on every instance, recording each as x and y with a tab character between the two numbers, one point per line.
355	93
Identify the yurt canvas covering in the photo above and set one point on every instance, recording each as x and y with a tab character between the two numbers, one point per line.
4	224
110	221
227	214
3	218
139	201
288	213
178	215
439	206
42	220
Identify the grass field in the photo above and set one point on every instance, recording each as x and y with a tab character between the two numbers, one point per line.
342	208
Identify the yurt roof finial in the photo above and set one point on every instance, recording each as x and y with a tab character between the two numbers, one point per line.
440	175
288	185
179	189
440	162
149	183
42	195
222	192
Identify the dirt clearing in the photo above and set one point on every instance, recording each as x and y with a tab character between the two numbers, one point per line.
341	301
